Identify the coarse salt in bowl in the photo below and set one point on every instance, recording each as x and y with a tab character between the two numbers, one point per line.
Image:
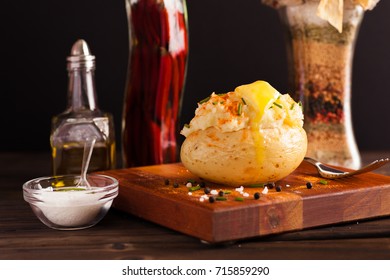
59	204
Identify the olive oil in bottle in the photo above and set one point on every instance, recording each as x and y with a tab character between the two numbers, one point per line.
82	119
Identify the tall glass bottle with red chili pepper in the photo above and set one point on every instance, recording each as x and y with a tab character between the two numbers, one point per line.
158	34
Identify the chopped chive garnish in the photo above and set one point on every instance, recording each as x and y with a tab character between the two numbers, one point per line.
256	186
222	102
187	125
221	94
195	188
278	105
227	192
300	103
66	189
323	182
239	199
239	109
292	106
243	100
205	100
215	103
221	198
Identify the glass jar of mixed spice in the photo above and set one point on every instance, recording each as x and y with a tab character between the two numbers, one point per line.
320	56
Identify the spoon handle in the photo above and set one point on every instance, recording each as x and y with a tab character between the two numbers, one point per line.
88	148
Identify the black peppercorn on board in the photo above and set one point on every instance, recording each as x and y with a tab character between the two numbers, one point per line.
171	196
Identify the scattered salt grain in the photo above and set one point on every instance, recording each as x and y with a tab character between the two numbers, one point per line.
201	199
189	185
288	186
190	193
214	192
265	191
245	194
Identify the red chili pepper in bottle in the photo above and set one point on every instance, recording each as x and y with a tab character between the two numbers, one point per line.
158	34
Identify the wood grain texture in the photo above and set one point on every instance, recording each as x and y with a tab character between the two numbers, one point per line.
143	193
123	236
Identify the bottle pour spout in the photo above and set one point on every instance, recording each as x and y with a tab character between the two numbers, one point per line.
80	56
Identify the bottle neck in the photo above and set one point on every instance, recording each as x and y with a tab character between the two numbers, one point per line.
81	90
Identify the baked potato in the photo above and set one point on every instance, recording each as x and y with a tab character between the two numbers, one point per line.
251	135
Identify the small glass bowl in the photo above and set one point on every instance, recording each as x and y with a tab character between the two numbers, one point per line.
60	205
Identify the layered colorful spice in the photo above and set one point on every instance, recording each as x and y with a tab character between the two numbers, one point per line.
157	67
323	82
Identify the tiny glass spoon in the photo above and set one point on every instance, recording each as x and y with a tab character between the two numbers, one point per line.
88	148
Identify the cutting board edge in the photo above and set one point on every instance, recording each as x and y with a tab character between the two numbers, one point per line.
214	236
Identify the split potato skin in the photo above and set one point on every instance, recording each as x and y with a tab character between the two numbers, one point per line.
244	157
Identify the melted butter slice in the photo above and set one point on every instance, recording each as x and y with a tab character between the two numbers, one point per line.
258	96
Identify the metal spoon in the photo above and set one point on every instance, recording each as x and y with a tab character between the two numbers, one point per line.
88	148
333	173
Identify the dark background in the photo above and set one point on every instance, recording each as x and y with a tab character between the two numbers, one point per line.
232	42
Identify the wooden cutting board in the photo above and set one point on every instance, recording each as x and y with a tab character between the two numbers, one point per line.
144	193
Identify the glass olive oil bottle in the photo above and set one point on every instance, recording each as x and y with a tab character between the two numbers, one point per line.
81	119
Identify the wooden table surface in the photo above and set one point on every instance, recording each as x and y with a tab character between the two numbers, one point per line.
122	236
